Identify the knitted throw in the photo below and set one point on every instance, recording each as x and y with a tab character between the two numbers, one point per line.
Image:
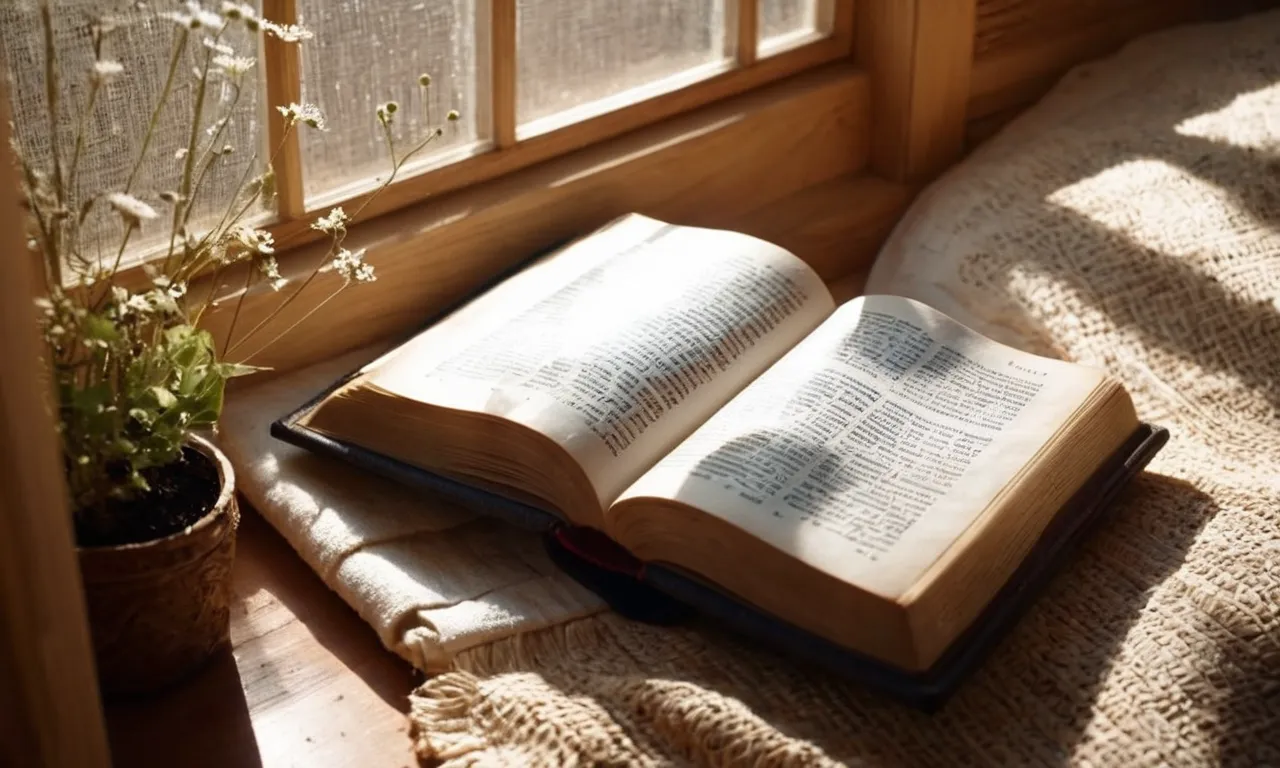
1130	221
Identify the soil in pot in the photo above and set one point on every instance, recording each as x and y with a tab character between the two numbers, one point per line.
160	608
181	493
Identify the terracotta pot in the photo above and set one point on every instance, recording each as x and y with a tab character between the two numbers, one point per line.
159	609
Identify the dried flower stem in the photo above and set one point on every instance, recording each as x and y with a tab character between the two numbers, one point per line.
338	239
90	99
197	113
179	46
210	156
295	324
51	95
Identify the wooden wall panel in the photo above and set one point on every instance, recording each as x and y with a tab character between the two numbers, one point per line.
1022	47
1010	23
707	168
918	54
49	711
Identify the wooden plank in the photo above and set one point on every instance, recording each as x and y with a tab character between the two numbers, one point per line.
284	86
838	17
537	149
306	683
1019	74
1013	23
919	54
747	22
689	170
49	711
837	227
502	20
1021	68
296	232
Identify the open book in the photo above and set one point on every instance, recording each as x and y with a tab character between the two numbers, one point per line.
871	473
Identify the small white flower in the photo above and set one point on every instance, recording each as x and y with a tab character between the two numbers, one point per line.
303	113
161	301
289	33
204	16
218	47
215	126
254	240
180	153
270	269
235	66
385	112
181	19
238	11
138	303
119	294
195	16
130	208
105	71
352	267
335	220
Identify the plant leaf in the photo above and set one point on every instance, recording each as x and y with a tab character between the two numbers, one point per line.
164	398
235	370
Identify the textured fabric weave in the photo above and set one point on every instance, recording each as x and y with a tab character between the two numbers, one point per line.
1129	221
430	578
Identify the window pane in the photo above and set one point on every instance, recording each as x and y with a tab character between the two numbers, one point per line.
143	44
786	21
367	52
571	54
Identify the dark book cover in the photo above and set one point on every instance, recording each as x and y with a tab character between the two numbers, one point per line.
658	593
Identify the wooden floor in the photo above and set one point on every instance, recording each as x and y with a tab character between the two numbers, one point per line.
306	684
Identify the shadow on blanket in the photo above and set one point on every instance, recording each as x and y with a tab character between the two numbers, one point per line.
1038	687
1136	230
1212	187
1059	654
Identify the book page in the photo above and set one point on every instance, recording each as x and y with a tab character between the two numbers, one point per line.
868	449
620	345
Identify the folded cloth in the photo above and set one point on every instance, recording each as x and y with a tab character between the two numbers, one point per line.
430	578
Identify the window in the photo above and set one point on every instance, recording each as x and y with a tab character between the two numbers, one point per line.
532	79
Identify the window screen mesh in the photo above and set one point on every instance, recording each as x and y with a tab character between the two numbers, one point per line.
143	44
367	52
782	19
571	53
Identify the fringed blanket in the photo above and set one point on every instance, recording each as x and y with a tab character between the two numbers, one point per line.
1129	221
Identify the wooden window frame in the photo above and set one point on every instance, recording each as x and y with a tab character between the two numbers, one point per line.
511	147
50	714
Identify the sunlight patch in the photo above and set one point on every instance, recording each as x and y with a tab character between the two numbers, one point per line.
1250	120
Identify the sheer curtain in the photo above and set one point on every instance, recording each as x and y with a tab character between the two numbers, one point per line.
571	53
574	58
368	52
784	20
142	43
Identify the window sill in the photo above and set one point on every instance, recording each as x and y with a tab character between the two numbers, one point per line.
744	163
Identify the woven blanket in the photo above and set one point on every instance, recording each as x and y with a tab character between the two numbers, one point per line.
1129	221
430	578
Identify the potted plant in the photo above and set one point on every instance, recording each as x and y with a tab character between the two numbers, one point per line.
139	384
